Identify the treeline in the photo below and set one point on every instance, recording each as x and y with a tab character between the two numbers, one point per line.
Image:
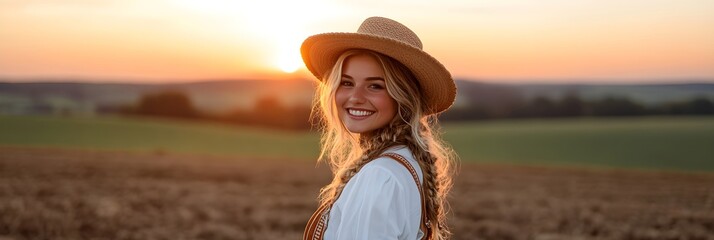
571	105
271	112
267	111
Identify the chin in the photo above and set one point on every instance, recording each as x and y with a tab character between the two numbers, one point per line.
358	130
361	129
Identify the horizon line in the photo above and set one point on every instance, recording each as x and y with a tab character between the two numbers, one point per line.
504	81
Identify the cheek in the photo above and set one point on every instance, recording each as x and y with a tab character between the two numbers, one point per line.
340	97
387	105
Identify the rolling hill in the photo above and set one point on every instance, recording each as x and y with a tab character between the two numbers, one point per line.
218	96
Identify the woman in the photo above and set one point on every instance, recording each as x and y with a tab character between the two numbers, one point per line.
377	100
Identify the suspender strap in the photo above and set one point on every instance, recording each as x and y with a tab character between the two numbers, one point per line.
315	229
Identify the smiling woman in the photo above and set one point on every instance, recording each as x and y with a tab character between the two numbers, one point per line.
377	100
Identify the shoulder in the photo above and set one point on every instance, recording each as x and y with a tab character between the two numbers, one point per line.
390	166
382	169
383	178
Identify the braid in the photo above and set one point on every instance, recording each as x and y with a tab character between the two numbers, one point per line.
432	199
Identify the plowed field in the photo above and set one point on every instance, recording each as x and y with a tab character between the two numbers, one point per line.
69	194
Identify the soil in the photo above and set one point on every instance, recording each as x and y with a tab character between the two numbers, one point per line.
73	194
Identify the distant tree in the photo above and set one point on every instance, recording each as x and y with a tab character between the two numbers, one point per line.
701	106
616	106
486	101
466	114
269	111
571	105
167	104
237	116
696	106
301	117
541	106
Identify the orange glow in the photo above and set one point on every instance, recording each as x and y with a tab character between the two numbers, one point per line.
175	40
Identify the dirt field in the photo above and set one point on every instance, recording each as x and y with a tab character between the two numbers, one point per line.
63	194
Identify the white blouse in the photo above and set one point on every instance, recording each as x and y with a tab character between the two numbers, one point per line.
380	202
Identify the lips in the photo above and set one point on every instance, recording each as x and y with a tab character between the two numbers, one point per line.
359	112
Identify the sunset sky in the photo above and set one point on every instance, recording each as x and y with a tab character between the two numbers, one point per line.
596	41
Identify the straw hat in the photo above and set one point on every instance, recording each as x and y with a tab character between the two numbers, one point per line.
388	37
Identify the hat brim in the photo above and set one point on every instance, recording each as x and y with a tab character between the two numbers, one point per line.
321	51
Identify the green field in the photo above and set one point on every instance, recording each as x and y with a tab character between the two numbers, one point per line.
684	143
156	135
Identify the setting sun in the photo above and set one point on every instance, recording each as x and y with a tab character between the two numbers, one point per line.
284	28
287	53
289	63
280	30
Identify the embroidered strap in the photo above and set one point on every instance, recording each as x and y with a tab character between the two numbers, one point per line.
316	226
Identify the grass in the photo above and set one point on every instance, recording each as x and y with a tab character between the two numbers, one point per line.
684	143
155	135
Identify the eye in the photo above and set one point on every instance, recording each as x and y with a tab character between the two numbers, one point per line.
376	86
346	83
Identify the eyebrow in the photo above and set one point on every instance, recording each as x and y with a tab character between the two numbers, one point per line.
368	79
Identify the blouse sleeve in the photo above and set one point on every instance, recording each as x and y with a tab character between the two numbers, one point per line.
374	206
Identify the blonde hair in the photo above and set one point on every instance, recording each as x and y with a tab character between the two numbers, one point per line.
347	152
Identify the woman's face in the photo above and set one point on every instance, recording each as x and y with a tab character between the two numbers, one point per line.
362	101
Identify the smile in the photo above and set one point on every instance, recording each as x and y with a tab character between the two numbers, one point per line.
359	113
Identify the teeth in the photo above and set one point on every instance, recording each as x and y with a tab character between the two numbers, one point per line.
360	112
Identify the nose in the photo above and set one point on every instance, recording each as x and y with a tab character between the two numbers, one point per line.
357	95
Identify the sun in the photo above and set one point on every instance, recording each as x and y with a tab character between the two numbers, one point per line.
277	27
288	61
289	66
283	30
286	51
